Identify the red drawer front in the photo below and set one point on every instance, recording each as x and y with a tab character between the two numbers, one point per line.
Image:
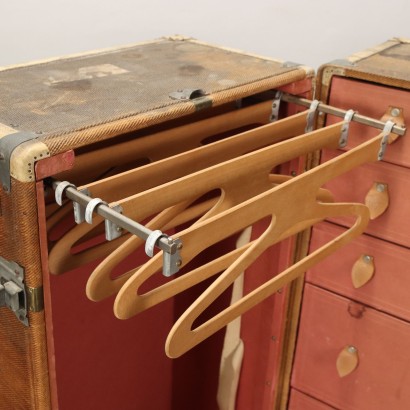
387	290
372	100
394	224
330	323
299	401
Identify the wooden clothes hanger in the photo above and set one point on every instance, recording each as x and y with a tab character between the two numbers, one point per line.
239	179
99	163
285	221
101	285
116	187
305	210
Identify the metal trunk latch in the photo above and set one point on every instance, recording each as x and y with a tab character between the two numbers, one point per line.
12	291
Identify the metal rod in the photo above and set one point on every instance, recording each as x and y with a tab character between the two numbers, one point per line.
119	219
328	109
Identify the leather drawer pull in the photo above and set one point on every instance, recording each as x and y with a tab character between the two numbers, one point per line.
347	361
362	271
377	199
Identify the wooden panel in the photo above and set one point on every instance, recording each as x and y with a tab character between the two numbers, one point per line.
299	401
330	323
394	224
387	290
372	100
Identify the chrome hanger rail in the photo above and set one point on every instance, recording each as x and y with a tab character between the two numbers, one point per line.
328	109
115	222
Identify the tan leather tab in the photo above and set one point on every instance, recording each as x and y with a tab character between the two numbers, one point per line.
377	199
396	115
347	361
362	271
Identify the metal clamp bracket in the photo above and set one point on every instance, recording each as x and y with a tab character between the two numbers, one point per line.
275	106
12	290
151	241
89	209
311	115
345	129
8	144
388	127
58	194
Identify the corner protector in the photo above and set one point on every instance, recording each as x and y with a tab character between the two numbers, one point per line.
328	72
24	157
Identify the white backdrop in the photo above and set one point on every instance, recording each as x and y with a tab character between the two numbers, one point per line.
310	32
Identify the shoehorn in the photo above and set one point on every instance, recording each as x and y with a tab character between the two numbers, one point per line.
101	285
233	348
148	177
239	179
97	164
285	221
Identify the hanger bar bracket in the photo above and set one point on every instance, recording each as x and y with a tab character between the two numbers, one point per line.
115	221
275	106
328	109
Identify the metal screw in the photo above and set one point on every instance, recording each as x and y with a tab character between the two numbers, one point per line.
395	112
118	229
179	246
293	173
178	263
280	290
380	187
352	349
5	188
1	156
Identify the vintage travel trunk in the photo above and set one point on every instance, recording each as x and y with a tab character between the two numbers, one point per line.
119	164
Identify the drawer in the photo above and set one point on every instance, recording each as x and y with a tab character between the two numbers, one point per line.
394	224
329	324
387	289
299	401
373	101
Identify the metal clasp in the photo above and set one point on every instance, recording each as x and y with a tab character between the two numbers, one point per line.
187	94
12	291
